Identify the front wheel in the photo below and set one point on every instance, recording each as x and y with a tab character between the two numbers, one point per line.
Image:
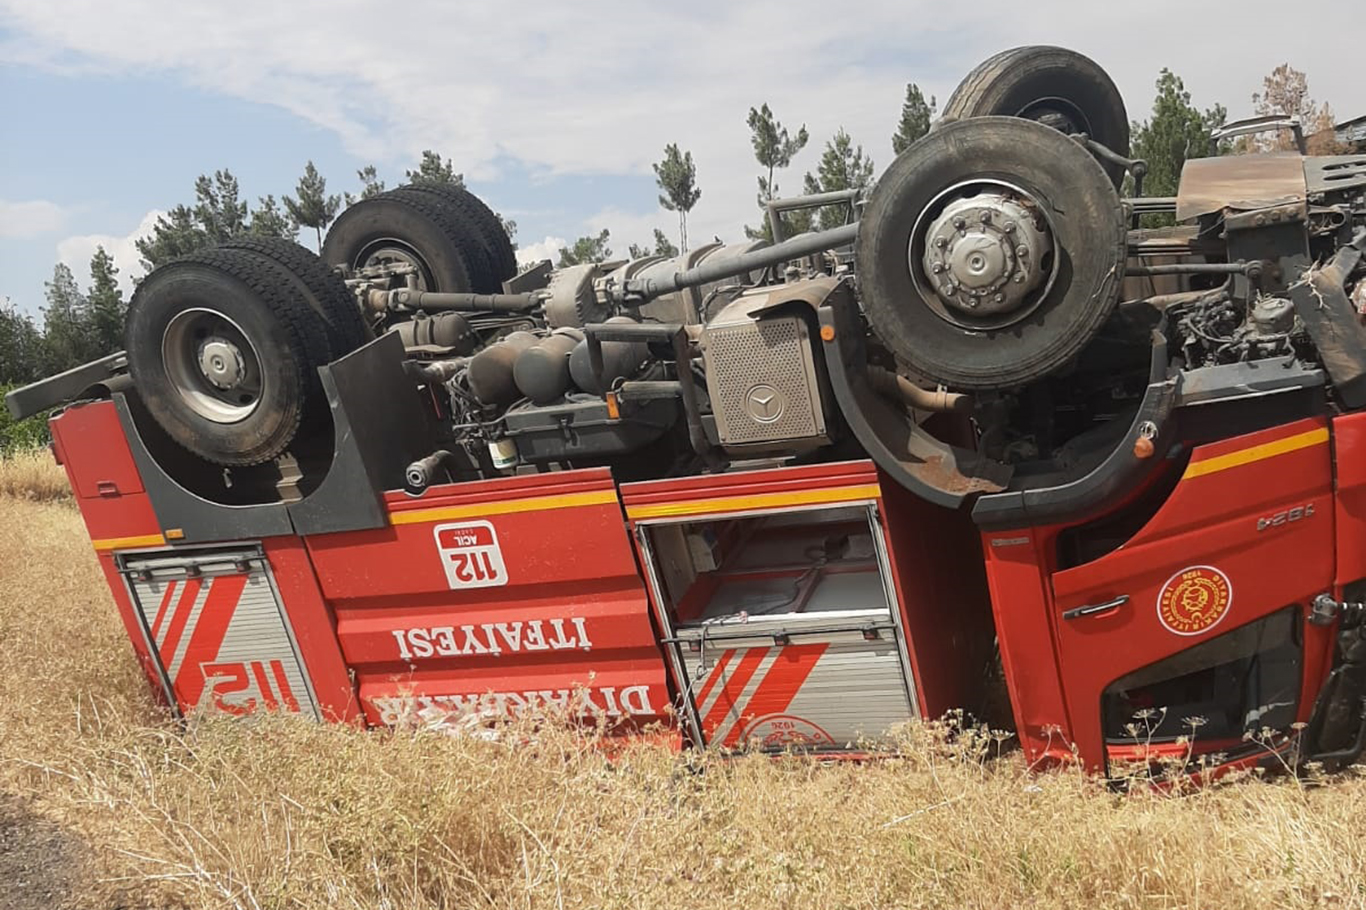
990	253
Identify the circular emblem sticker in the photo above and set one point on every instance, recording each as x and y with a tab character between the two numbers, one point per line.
1194	600
778	731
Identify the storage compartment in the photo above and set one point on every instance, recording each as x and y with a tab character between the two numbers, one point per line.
783	626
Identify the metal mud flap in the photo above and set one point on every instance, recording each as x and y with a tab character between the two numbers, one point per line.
214	622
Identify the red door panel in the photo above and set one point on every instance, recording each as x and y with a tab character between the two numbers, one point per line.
1349	450
1247	531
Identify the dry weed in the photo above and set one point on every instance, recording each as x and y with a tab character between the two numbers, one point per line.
33	475
278	813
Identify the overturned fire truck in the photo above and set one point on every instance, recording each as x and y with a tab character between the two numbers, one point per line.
990	433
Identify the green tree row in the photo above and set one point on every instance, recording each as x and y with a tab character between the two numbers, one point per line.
78	325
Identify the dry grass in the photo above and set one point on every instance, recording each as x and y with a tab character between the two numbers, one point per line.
280	814
33	475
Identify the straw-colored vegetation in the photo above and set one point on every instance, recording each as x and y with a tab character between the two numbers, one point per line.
106	803
33	474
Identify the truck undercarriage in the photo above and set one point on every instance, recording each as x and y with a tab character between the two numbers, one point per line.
787	495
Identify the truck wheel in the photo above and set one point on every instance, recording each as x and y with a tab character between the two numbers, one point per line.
483	221
1052	85
990	253
414	228
322	288
224	351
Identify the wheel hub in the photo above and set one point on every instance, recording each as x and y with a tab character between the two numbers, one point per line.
984	254
212	365
221	363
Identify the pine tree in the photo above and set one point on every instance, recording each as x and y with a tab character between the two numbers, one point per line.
67	329
677	177
23	358
663	247
433	170
107	309
916	114
216	216
1176	131
312	207
371	185
586	249
175	234
842	167
269	221
217	210
773	149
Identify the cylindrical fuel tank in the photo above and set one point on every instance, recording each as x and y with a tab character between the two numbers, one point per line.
619	359
542	371
490	371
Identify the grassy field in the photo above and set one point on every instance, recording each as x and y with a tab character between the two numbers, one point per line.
105	803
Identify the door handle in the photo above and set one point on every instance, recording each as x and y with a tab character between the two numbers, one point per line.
1096	609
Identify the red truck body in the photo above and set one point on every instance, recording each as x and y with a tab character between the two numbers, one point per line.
809	606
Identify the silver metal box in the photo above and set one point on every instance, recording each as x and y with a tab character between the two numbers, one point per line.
761	375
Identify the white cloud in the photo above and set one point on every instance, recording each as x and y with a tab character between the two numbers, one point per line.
20	220
600	86
549	248
76	252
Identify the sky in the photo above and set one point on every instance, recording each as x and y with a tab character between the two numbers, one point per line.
554	111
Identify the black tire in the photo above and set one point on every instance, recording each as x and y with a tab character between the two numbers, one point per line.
285	338
323	288
483	221
1052	85
429	230
1088	240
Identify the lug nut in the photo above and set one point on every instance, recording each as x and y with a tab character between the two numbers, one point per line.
985	217
941	242
1008	227
959	223
1000	298
1022	251
1019	279
937	267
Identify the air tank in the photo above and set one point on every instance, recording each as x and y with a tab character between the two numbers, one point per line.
542	370
450	331
490	371
619	360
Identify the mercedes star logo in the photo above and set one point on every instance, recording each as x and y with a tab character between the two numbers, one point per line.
764	403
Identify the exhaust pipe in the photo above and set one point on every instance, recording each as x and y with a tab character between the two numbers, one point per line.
899	388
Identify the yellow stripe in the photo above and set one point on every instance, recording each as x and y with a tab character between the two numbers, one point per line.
506	507
758	501
1256	453
127	543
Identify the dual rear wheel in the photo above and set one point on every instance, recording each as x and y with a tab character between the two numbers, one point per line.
224	345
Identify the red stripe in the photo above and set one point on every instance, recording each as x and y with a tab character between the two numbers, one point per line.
733	688
716	673
258	670
179	616
207	636
779	685
277	669
161	610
